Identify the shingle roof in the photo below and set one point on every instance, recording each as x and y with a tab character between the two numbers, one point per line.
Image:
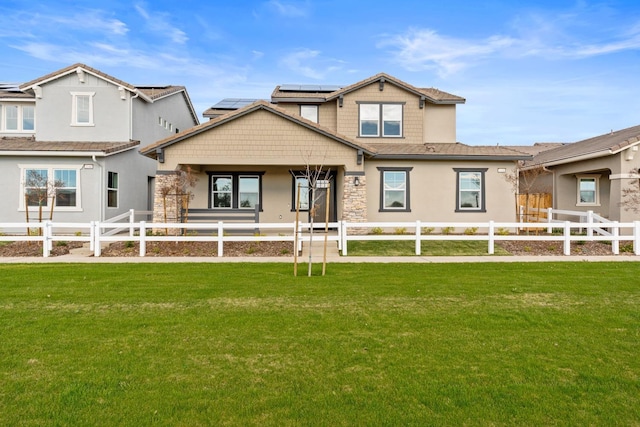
431	94
18	144
72	68
444	151
599	146
536	148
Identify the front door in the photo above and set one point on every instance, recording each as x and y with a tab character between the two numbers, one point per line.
320	212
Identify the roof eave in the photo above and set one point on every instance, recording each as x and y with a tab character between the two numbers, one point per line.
480	157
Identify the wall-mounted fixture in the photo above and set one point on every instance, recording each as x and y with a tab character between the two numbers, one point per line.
123	96
356	181
80	73
382	84
340	101
502	170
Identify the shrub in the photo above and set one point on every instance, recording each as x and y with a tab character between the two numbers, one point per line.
129	244
400	230
502	231
447	230
376	230
61	243
427	230
471	231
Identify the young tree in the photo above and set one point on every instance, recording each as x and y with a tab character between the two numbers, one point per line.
38	190
316	178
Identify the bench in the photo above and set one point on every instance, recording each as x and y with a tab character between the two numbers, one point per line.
210	216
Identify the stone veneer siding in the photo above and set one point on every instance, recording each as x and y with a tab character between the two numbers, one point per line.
164	179
354	202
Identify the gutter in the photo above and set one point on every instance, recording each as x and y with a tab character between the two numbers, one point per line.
446	157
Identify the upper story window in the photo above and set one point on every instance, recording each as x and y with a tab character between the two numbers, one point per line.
588	189
17	118
309	112
381	120
82	108
470	194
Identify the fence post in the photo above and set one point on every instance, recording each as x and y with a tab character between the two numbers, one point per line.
97	246
339	235
615	242
132	215
92	236
549	220
418	240
491	237
344	237
636	237
46	239
590	223
220	236
567	238
143	238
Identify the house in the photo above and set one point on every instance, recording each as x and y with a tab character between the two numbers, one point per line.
390	149
591	175
76	133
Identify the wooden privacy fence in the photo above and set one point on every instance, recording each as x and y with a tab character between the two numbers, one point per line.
533	207
97	233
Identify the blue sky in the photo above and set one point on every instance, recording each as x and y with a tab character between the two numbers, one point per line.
531	71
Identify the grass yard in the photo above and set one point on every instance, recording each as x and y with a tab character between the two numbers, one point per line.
368	344
428	248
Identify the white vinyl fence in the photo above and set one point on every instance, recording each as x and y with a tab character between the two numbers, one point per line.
98	234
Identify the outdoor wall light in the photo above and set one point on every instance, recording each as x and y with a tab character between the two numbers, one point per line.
356	181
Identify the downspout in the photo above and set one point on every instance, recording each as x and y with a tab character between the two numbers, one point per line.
131	114
101	204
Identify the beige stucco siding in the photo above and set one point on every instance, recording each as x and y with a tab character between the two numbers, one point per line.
433	192
413	122
260	138
439	123
277	189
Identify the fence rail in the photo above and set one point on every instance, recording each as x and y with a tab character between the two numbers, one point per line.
98	234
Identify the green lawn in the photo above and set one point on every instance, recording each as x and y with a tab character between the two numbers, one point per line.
367	344
428	248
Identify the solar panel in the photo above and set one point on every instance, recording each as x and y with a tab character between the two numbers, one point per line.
233	103
9	87
309	88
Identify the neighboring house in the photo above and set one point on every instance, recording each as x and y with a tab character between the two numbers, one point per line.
81	129
390	147
590	175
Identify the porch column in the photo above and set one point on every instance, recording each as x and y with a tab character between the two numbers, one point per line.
164	197
354	199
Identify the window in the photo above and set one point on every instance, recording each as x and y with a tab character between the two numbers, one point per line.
470	195
222	187
112	190
17	118
36	187
248	191
41	184
28	117
236	190
11	117
82	108
309	112
394	189
301	181
588	186
372	115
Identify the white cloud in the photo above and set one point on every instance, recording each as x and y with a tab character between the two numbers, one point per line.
427	50
310	64
158	23
289	9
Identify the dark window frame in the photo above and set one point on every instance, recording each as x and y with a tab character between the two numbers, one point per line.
406	170
483	192
380	119
235	189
